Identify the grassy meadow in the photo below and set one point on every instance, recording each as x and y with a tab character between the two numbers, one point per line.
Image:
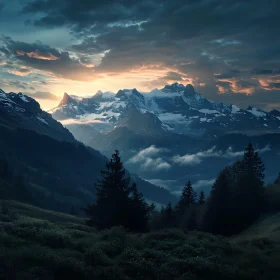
42	244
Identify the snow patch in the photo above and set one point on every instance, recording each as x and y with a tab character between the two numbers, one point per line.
42	120
170	117
23	98
106	115
234	109
207	111
256	112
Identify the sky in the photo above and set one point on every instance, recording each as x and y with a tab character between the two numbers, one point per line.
228	50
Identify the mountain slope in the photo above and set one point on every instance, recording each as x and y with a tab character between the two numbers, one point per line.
59	170
21	111
61	173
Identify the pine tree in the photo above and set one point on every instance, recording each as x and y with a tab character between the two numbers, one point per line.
117	203
236	198
201	200
217	218
250	188
168	218
192	218
139	212
277	181
188	198
253	165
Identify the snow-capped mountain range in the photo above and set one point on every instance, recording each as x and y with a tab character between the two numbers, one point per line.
167	136
21	111
173	134
177	109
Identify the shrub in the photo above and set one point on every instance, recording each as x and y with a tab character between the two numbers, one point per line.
96	257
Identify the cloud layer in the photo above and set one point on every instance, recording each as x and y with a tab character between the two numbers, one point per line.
193	159
43	57
148	159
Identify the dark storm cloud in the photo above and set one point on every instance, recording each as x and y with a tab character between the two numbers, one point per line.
235	33
87	13
43	57
275	85
265	72
224	46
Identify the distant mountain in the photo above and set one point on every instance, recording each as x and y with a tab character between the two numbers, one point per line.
169	135
59	170
21	111
175	108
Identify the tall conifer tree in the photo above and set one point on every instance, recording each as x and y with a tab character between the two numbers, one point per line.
250	188
188	198
118	203
201	200
217	218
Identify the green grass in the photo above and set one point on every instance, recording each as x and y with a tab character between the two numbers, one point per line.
38	244
267	226
35	212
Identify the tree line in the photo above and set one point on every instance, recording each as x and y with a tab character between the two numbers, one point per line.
236	200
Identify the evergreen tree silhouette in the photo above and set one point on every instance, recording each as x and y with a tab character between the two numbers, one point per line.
237	196
250	188
188	198
201	199
139	211
217	218
117	203
168	216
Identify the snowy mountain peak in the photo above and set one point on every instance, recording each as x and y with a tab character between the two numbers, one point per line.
256	112
2	91
19	110
99	93
176	87
107	95
177	109
132	97
67	99
190	88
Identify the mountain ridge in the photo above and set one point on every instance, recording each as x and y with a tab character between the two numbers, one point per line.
21	111
171	135
49	154
179	108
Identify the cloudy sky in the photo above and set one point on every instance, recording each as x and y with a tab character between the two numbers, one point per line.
229	50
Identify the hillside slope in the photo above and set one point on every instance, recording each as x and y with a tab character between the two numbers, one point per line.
60	173
21	111
40	244
268	226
